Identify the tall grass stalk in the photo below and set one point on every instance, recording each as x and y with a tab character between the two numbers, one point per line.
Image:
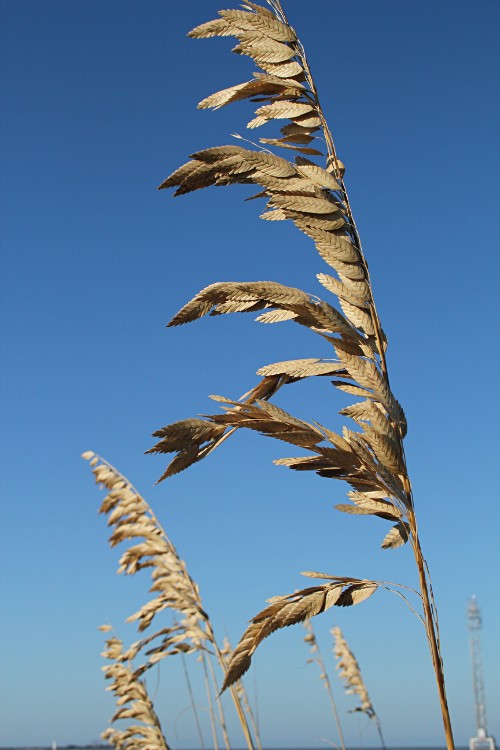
317	657
243	695
133	520
369	454
194	707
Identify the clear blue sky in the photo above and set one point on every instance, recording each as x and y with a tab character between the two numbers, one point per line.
98	106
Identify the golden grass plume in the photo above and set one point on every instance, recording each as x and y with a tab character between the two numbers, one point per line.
350	673
132	520
369	454
133	704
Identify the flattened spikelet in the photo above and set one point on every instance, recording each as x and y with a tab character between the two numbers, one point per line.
329	244
341	290
328	222
358	317
265	50
285	143
274	215
305	203
271	27
270	164
279	110
356	593
182	434
216	153
217	27
288	185
397	536
238	92
289	610
368	376
301	368
258	9
385	449
276	316
316	174
307	121
291	69
179	175
268	292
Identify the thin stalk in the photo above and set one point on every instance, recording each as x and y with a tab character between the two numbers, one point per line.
222	718
433	639
243	720
193	703
252	718
379	728
311	639
234	695
243	697
210	704
256	704
335	712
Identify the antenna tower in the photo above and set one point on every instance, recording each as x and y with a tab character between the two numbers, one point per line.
481	741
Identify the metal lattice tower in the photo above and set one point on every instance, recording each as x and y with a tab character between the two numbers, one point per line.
475	622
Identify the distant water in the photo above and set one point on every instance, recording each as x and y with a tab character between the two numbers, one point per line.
323	747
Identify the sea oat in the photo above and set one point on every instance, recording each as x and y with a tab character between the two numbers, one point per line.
132	520
350	673
314	198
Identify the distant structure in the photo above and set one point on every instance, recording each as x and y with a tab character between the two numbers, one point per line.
481	741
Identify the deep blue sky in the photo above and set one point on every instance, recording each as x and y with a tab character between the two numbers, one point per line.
98	107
